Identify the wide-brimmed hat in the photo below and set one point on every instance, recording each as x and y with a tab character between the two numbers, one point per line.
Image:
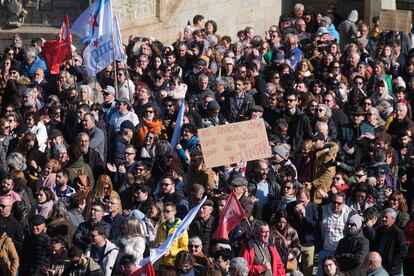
357	110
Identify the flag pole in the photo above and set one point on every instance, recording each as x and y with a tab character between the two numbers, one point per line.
70	45
113	52
251	229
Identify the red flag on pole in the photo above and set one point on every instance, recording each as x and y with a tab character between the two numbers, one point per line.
146	270
232	215
57	51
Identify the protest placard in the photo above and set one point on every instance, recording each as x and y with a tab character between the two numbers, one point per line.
395	20
232	143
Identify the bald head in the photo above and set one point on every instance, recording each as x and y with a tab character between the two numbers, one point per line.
5	206
374	261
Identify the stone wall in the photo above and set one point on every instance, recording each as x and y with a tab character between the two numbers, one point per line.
163	19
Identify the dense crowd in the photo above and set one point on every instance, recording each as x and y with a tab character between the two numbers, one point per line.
90	182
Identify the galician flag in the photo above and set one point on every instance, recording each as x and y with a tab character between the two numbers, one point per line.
156	253
99	54
94	22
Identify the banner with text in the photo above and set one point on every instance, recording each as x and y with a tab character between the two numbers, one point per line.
395	20
232	143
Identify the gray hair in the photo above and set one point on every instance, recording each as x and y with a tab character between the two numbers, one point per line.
58	148
270	88
321	125
401	105
80	135
16	161
30	52
195	238
202	76
390	211
84	86
241	265
328	111
259	224
30	91
299	6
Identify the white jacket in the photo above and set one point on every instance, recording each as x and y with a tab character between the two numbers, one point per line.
108	262
134	246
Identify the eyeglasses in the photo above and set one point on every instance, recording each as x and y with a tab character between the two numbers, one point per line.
169	105
149	111
359	83
337	203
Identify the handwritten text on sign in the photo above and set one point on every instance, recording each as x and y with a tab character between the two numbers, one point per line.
232	143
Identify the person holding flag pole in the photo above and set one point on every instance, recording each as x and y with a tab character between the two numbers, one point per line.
232	214
170	241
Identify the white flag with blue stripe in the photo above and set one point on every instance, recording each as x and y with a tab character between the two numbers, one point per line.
157	253
98	54
94	22
175	140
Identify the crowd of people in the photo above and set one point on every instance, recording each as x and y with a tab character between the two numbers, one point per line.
90	182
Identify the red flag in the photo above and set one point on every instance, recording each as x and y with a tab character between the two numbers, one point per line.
232	215
146	270
57	51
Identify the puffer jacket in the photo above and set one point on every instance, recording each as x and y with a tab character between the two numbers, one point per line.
179	245
8	256
351	253
323	170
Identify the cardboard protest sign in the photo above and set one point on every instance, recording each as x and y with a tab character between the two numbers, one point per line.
395	20
232	143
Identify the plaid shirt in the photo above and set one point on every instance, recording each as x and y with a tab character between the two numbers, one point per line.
64	196
333	226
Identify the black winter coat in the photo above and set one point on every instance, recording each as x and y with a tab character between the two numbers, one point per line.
391	245
36	253
351	253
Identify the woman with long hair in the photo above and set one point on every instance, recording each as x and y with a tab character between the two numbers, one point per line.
152	220
147	151
379	73
330	267
286	240
102	191
44	202
398	202
131	242
323	114
150	120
